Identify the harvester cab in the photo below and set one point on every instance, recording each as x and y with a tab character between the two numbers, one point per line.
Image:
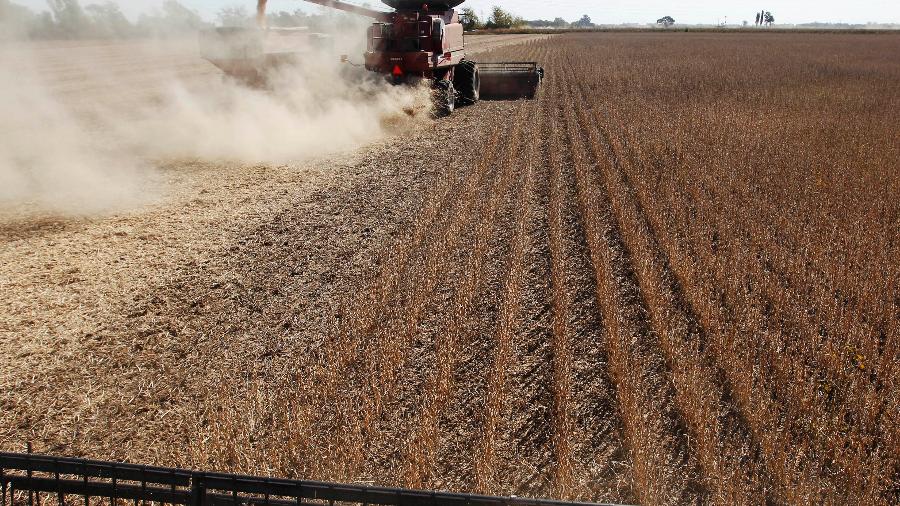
425	41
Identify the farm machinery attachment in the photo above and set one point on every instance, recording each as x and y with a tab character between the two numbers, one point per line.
417	41
248	55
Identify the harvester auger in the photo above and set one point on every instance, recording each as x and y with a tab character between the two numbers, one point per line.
425	40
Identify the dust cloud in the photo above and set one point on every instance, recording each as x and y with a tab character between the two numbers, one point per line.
72	153
307	110
48	157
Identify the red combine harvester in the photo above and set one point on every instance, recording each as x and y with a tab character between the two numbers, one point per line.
425	41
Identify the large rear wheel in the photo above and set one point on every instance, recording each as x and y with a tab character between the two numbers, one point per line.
468	82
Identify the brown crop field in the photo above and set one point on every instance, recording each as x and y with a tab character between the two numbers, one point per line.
674	278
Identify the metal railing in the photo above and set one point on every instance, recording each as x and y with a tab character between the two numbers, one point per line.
27	478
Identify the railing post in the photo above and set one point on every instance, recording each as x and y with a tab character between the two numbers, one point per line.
198	489
29	474
143	486
60	499
87	496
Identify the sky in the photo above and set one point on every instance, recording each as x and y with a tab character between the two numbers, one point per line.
603	12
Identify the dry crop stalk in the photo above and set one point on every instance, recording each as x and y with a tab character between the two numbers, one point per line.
416	289
485	462
652	443
562	333
696	394
422	455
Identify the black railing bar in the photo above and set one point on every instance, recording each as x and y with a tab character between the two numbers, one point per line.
66	465
97	489
304	488
330	492
7	458
333	491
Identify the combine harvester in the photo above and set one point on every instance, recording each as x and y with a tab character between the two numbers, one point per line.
417	41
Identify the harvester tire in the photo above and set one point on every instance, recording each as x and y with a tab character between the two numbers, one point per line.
468	82
444	98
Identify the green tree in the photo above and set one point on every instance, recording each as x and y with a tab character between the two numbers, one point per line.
666	21
560	23
503	19
584	22
469	19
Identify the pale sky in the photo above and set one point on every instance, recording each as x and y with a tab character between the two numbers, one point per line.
604	12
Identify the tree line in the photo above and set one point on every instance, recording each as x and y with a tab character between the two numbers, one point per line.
68	19
501	18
